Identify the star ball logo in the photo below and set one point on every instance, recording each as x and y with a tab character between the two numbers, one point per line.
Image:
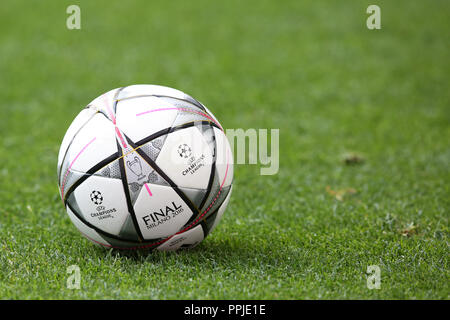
96	197
184	150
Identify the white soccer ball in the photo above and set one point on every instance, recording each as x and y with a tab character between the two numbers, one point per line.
145	167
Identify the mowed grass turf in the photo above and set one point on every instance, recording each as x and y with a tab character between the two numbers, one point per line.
309	68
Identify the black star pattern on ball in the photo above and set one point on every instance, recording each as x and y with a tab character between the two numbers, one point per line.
184	151
96	197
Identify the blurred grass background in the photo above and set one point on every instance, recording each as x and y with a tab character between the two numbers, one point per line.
311	69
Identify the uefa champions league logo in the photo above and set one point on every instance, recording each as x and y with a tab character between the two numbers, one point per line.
184	150
96	197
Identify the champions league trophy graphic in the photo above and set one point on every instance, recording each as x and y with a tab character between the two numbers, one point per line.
136	167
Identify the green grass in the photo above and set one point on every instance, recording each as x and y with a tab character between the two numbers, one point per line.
311	69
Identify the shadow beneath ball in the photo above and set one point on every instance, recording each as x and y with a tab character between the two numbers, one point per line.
210	254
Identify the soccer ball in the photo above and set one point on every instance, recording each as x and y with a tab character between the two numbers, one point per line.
145	167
